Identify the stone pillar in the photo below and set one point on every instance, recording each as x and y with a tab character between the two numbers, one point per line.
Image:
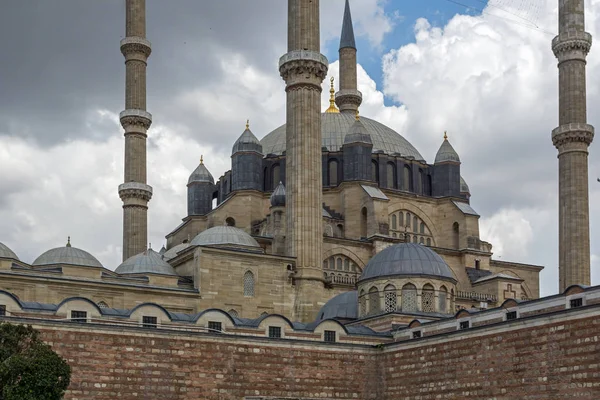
348	99
303	68
572	138
135	193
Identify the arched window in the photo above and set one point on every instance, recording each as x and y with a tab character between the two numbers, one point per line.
102	304
276	175
374	304
374	171
422	229
406	179
421	240
427	299
339	264
333	173
415	224
456	233
346	265
362	303
428	242
394	223
429	186
421	180
391	176
230	221
442	304
408	220
391	302
401	220
325	264
233	313
363	222
266	180
409	298
248	284
415	239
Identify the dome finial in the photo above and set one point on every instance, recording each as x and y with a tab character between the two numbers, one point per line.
332	108
149	246
357	115
445	135
68	241
201	159
247	124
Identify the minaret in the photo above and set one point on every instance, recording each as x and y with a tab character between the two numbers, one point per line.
303	68
348	99
135	193
572	139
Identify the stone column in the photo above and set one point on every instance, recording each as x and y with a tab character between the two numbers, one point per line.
572	138
303	68
135	193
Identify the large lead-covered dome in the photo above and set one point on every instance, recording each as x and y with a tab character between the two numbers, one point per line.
335	126
67	255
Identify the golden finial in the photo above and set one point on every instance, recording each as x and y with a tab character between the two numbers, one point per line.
202	160
247	124
357	116
68	241
332	108
445	135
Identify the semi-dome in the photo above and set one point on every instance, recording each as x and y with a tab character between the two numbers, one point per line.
278	196
247	142
6	252
464	188
67	255
342	306
225	236
409	259
335	126
148	262
172	252
201	174
446	153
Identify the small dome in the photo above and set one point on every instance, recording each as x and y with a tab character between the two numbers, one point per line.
148	262
6	252
67	255
464	188
446	153
247	142
172	252
342	306
201	175
358	134
278	196
225	236
409	259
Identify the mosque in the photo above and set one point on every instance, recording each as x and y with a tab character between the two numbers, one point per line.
331	216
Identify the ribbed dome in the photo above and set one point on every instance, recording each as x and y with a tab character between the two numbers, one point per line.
67	255
278	196
224	235
464	188
409	259
6	252
446	153
334	128
201	174
247	142
148	262
172	252
358	134
342	306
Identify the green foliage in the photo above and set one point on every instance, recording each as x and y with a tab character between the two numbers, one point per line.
29	368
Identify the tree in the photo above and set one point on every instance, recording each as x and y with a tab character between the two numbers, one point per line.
29	368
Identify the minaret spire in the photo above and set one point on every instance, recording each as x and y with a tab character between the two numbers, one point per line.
572	139
135	193
303	69
348	99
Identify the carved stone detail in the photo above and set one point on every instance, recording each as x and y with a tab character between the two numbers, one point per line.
575	132
298	63
132	119
135	190
572	46
136	45
352	97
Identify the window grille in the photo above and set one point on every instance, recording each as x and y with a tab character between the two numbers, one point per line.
2	310
346	265
274	332
409	298
391	302
233	313
249	284
427	300
102	305
576	302
416	334
511	315
374	305
79	316
149	322
329	336
362	303
442	303
214	326
464	325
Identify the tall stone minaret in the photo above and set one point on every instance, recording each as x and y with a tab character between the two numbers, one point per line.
348	98
135	193
572	139
303	68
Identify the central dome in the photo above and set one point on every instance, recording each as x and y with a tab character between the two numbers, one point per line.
225	236
334	128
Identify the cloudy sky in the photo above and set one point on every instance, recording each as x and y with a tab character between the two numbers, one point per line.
485	73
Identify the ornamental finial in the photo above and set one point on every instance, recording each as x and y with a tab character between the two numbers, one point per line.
357	116
68	241
247	124
445	135
332	108
201	160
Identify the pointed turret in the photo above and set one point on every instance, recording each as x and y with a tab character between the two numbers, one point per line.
446	171
357	150
278	196
201	186
277	219
246	162
348	99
